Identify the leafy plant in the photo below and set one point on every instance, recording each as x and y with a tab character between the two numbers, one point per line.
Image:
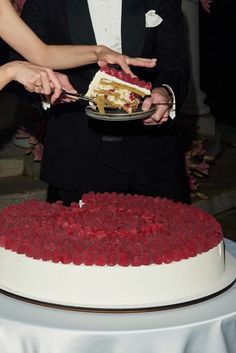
197	163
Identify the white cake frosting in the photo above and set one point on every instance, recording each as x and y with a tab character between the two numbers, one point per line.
101	75
110	286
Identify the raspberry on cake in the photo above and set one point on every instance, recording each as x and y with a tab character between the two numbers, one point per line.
115	89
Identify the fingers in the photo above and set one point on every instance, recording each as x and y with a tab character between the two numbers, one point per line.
107	56
102	63
141	62
125	61
43	82
66	86
39	79
121	62
155	120
147	104
34	84
65	83
161	100
125	67
160	116
51	84
54	85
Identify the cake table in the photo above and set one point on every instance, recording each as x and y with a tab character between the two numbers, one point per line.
209	326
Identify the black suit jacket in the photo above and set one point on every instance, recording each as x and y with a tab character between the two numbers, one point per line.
72	138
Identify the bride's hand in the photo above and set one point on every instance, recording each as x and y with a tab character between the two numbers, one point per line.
39	79
108	56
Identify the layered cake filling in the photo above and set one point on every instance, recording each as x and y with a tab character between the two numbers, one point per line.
111	250
115	89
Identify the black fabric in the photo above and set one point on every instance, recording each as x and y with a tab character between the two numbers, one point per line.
116	169
217	59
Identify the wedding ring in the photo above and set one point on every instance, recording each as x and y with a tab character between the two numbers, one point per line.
39	86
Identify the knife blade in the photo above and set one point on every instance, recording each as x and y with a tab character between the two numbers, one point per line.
77	96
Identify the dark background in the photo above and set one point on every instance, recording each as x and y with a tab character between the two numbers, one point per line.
218	59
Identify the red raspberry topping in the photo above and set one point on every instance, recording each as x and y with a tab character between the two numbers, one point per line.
109	229
126	77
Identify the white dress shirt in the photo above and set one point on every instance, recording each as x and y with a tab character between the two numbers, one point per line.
106	20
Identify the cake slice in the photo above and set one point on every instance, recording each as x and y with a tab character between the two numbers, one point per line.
115	89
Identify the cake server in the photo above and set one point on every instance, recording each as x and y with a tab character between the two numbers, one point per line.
77	96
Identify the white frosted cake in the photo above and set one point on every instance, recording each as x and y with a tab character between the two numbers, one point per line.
115	251
115	89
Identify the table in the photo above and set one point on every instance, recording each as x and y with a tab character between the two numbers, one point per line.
208	327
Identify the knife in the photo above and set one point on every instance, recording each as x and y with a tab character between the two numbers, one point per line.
89	99
77	96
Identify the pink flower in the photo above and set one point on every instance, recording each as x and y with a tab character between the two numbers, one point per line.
193	183
196	164
38	152
202	168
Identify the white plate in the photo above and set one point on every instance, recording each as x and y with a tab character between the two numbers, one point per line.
119	115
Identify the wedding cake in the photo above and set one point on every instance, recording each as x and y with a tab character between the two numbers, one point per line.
109	251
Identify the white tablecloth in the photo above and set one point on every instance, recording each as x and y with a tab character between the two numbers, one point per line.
207	327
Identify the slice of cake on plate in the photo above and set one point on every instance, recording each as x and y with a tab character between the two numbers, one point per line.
115	89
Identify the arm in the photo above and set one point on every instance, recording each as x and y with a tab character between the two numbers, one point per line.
20	37
35	78
173	61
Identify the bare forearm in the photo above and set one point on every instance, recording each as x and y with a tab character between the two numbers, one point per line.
66	57
35	78
20	37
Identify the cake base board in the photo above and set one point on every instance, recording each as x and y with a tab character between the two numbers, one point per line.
226	282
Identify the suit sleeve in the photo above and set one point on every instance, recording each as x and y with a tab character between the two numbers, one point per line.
171	50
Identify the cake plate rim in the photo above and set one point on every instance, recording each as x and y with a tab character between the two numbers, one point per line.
119	115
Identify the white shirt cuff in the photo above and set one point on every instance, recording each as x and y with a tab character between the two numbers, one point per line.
172	111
